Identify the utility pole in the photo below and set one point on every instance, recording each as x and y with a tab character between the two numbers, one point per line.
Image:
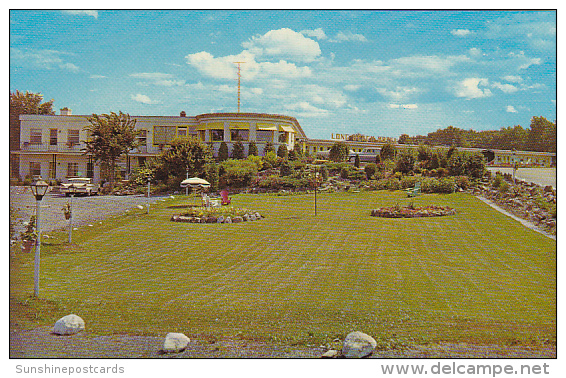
239	76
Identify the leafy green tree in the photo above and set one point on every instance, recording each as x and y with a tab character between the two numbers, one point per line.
223	152
285	168
110	136
339	152
252	149
282	151
404	139
238	173
475	165
238	150
370	170
268	148
184	155
542	135
211	173
357	161
25	103
387	152
405	161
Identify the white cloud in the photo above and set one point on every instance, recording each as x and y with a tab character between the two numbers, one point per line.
90	13
524	61
475	52
158	78
426	65
41	59
513	78
352	87
399	93
141	98
405	106
505	88
97	77
348	36
305	109
316	33
257	91
470	88
460	32
510	109
284	43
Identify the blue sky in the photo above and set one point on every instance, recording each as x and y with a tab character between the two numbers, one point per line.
380	73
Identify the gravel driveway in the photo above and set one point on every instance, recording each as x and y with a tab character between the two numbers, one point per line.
540	176
85	209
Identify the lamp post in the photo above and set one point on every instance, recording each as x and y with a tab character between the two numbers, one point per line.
38	188
72	191
514	164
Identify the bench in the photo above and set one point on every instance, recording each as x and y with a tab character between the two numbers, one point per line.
413	192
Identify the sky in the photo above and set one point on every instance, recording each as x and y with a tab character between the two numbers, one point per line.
379	73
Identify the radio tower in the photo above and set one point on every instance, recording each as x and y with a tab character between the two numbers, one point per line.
239	76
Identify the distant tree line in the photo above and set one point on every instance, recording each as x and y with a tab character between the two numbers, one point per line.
540	136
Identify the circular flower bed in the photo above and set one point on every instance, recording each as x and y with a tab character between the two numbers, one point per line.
413	212
227	214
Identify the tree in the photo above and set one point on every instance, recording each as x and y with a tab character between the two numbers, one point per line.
25	103
357	161
404	139
110	136
212	176
252	149
268	148
282	151
542	135
339	152
184	156
405	162
387	152
223	152
238	150
370	170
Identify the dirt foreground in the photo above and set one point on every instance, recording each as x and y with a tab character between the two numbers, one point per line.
41	343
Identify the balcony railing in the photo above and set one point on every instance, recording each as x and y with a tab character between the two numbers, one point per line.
48	147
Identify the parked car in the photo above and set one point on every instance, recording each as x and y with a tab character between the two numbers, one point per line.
367	155
81	185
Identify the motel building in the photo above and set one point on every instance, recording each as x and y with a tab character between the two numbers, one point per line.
52	146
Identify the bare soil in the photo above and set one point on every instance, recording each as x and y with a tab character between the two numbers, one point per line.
41	343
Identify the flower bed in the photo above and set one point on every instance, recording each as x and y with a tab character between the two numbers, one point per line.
413	212
228	214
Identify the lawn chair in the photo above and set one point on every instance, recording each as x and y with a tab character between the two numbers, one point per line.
225	199
413	192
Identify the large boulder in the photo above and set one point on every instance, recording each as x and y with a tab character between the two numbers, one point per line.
237	219
358	344
69	325
175	343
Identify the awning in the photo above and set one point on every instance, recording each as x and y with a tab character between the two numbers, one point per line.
266	126
288	129
210	126
239	126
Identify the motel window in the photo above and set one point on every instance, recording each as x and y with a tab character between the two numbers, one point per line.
182	131
163	134
217	135
142	138
90	169
15	160
239	134
201	134
72	169
35	168
52	137
264	135
314	149
73	137
35	136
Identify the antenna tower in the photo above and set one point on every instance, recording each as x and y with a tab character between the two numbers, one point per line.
239	76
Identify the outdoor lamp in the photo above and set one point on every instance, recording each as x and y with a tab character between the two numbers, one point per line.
39	188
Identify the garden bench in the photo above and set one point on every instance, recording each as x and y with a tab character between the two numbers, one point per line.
413	192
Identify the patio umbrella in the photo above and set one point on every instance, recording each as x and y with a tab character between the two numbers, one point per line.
195	182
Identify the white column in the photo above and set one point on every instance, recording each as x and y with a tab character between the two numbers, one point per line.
253	126
226	131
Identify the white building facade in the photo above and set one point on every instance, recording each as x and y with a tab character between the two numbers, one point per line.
53	146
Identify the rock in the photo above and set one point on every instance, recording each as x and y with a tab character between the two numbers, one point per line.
252	217
182	218
246	217
237	219
228	220
258	216
358	344
220	219
174	218
69	325
211	219
175	343
330	354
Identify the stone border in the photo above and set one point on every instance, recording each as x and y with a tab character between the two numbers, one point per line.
248	217
418	212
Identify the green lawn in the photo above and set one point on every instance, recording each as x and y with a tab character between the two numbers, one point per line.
478	276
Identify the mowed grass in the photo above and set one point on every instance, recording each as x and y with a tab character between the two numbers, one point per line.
477	277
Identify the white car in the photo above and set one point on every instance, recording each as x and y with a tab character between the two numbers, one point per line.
81	185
